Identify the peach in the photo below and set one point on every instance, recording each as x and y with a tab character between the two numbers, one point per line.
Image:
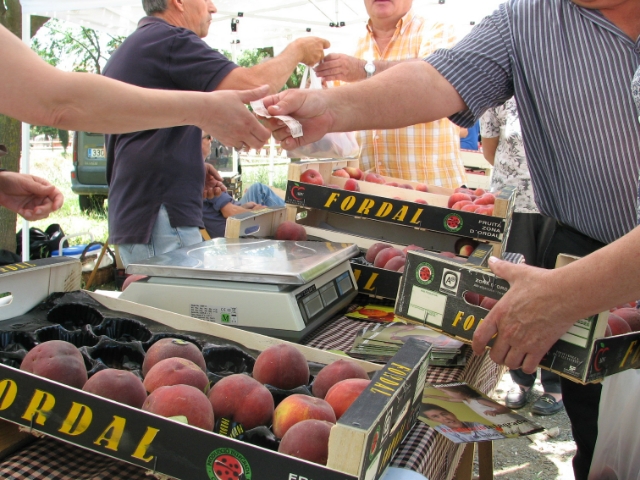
471	207
282	366
341	172
479	192
392	184
448	254
296	408
181	402
56	360
629	315
354	172
421	200
289	230
406	185
486	199
308	440
460	204
618	325
395	263
466	190
465	246
472	298
421	187
488	303
488	210
374	178
334	373
412	247
374	250
174	371
385	255
344	393
352	185
456	197
242	399
117	385
172	347
311	176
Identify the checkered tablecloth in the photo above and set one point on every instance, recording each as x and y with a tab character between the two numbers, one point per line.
423	450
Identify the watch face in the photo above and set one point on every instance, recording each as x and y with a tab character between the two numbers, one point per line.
370	68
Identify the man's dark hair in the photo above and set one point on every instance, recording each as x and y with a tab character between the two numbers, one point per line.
154	6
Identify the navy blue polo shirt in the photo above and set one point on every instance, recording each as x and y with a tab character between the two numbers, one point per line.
154	167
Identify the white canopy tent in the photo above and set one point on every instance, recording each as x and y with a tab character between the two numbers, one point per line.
245	24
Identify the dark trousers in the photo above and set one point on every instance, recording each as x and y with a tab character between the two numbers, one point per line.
580	401
527	233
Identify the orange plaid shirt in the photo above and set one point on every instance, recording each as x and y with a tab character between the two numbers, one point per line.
427	152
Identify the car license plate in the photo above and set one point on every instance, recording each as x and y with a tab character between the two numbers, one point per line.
95	153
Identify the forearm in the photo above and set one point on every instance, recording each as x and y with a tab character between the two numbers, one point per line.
597	282
489	147
231	209
389	100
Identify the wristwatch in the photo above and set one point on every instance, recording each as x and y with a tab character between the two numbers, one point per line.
370	68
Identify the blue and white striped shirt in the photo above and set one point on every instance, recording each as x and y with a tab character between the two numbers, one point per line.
570	70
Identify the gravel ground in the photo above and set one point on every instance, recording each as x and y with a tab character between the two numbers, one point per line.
546	455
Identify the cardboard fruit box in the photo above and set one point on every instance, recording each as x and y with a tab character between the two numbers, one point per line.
432	292
372	427
322	225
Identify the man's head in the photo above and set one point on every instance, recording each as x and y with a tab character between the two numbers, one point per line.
206	145
387	10
438	414
194	15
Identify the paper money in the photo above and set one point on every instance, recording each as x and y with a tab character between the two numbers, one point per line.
294	126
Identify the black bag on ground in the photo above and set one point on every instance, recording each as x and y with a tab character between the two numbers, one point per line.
41	244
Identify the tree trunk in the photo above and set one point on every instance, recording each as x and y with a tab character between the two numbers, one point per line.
10	129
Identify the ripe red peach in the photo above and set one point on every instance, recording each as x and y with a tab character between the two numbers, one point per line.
282	366
172	347
296	408
174	371
385	255
308	440
374	178
352	185
392	184
488	210
456	197
334	373
341	172
421	200
242	399
466	190
56	360
460	204
374	249
421	187
354	172
344	393
181	401
479	192
289	230
630	315
412	247
618	325
406	185
395	263
486	199
118	385
465	246
471	207
311	176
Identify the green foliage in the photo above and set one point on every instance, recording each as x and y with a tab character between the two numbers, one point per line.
51	132
74	48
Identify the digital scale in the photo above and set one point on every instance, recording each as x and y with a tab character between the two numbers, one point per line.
283	289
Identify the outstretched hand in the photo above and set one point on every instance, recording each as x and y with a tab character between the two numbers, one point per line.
338	66
308	107
32	197
528	319
230	121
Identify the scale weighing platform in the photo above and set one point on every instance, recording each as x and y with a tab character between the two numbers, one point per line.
283	289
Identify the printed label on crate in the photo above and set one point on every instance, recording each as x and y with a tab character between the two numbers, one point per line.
401	212
214	314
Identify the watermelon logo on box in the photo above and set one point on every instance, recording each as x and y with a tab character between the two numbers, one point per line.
424	273
227	464
453	222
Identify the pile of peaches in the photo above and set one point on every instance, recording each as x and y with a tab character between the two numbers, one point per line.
388	257
175	385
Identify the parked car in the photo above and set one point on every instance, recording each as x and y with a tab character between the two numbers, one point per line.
89	174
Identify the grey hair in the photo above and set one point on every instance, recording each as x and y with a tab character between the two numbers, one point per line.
154	6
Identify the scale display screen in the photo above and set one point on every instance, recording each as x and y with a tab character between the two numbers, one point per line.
313	304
